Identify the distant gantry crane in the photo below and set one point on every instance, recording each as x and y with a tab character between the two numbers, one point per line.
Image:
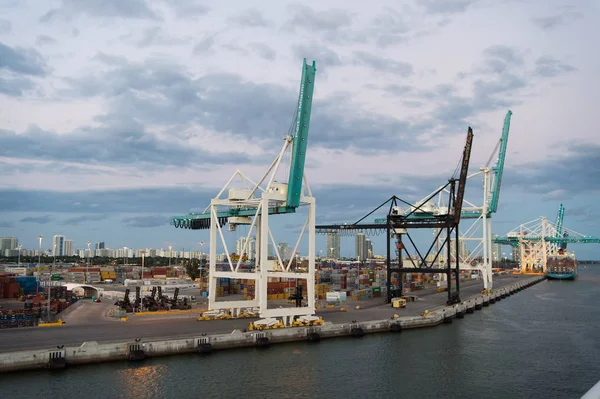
254	205
399	221
539	239
480	230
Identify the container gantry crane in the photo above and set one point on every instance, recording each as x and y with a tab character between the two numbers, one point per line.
540	238
399	221
253	206
479	231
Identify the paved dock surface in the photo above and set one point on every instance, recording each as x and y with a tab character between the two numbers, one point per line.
86	322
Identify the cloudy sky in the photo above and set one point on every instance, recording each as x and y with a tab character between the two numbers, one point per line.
119	114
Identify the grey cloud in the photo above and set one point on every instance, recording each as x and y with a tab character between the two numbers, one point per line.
111	59
205	45
156	36
264	51
550	22
221	102
43	40
158	204
389	28
81	219
102	8
252	17
176	200
15	86
5	26
508	84
500	77
146	221
335	128
328	20
228	104
325	57
18	60
383	64
398	90
500	59
332	25
577	172
115	141
7	225
187	8
549	67
37	219
446	6
582	213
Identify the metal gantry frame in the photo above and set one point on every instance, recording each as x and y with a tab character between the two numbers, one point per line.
398	222
273	195
539	239
254	205
480	231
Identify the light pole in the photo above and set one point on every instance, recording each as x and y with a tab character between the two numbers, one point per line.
19	260
87	265
170	247
37	278
50	278
142	273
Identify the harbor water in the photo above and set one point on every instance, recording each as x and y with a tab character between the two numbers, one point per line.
542	342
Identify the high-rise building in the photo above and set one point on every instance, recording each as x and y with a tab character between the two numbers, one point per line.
239	246
100	245
369	249
68	248
361	246
58	245
8	243
251	253
283	250
333	245
496	250
463	252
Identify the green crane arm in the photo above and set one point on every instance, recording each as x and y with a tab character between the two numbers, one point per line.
196	221
300	140
559	220
499	168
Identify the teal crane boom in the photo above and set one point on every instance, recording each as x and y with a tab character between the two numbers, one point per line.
299	142
499	168
559	220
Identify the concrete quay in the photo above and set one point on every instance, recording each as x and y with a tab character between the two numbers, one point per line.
134	348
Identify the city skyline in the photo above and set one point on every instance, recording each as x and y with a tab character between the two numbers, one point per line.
89	152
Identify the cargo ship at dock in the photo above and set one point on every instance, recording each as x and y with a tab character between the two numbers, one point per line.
562	266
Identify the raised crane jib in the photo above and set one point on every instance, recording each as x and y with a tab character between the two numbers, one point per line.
559	227
300	139
499	168
197	221
462	180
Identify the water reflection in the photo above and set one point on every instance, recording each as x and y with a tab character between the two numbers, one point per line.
143	381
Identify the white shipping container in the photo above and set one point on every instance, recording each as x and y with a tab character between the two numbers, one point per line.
333	296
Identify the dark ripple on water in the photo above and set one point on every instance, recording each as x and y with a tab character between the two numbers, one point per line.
540	343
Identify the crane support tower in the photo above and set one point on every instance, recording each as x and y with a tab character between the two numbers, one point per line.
253	206
399	221
479	232
539	239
